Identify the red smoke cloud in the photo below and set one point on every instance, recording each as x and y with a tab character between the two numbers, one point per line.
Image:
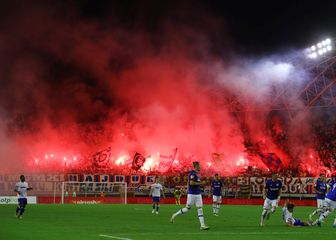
76	85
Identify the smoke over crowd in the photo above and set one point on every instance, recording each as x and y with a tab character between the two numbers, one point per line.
75	84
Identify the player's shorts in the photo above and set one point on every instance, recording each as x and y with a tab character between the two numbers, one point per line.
268	203
194	199
328	203
156	199
22	202
216	198
298	222
320	203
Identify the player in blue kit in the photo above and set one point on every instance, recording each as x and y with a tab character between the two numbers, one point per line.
216	190
320	189
271	194
194	196
329	206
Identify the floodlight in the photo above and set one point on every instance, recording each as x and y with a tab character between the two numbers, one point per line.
319	49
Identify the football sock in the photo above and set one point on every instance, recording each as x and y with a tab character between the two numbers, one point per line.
17	210
157	207
214	208
21	211
263	215
319	210
218	206
324	215
200	216
182	211
153	206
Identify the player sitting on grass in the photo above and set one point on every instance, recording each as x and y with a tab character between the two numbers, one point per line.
287	215
155	192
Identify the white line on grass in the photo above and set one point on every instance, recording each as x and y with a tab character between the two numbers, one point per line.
109	236
215	233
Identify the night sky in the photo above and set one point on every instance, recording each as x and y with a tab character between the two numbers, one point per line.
270	26
254	27
251	27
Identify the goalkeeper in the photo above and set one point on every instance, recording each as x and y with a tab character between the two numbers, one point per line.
177	194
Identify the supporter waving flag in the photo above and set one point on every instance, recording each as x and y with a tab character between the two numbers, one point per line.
138	161
272	161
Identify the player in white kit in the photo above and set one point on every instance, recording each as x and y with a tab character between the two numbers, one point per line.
21	189
287	216
155	192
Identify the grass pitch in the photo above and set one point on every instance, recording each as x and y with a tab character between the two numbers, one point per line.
136	222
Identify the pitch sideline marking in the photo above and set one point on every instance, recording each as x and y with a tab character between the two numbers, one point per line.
109	236
215	233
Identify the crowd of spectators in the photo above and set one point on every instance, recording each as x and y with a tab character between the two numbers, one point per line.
325	142
323	135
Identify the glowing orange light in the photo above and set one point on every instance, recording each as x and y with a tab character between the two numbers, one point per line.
148	164
120	161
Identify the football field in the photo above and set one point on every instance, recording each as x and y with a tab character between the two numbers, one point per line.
136	222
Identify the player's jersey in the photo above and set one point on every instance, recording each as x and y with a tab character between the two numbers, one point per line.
22	188
177	193
287	216
216	186
272	189
321	189
156	189
332	193
195	189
